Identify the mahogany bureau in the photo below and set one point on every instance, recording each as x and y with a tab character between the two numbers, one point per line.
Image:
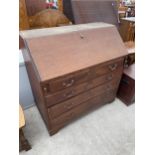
73	69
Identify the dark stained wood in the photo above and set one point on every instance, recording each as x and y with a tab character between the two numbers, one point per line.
75	90
108	67
35	85
66	81
52	63
23	143
58	109
67	10
70	72
79	77
34	6
87	11
81	110
126	91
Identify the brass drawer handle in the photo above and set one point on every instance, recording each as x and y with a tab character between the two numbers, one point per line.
45	89
113	67
70	94
68	84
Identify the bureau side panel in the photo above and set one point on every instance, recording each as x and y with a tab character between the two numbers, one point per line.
35	85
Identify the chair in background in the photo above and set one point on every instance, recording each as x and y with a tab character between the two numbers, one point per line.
23	143
130	45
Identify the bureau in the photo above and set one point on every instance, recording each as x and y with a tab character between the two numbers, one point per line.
73	69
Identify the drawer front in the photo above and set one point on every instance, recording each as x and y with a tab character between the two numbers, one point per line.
65	94
73	91
65	106
65	82
115	75
82	76
107	67
82	108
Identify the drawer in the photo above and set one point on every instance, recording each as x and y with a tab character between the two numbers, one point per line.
65	94
65	106
65	82
81	109
107	67
73	91
115	75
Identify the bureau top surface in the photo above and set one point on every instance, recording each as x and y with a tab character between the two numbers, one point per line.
59	54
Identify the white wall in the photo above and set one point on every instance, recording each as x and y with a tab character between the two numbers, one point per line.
25	93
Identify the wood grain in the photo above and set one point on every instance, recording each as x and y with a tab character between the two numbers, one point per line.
73	69
21	117
23	18
50	53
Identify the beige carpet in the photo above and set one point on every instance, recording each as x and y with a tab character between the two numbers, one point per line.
108	130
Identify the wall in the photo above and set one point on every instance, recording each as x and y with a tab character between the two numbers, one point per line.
25	93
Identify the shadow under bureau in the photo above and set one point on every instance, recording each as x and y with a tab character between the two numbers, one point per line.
73	69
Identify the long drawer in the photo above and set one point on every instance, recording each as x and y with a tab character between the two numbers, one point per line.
81	109
73	91
73	79
62	107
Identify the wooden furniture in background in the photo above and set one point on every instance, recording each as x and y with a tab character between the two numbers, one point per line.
23	20
131	32
48	18
21	117
87	11
67	10
71	73
126	91
127	29
122	12
23	143
35	6
60	5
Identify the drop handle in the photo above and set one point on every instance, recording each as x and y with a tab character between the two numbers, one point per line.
113	67
70	94
68	84
45	89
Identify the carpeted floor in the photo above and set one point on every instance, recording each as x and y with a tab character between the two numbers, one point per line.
108	130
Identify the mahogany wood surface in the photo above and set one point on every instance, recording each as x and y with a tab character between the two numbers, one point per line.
73	71
87	11
126	91
50	53
81	110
